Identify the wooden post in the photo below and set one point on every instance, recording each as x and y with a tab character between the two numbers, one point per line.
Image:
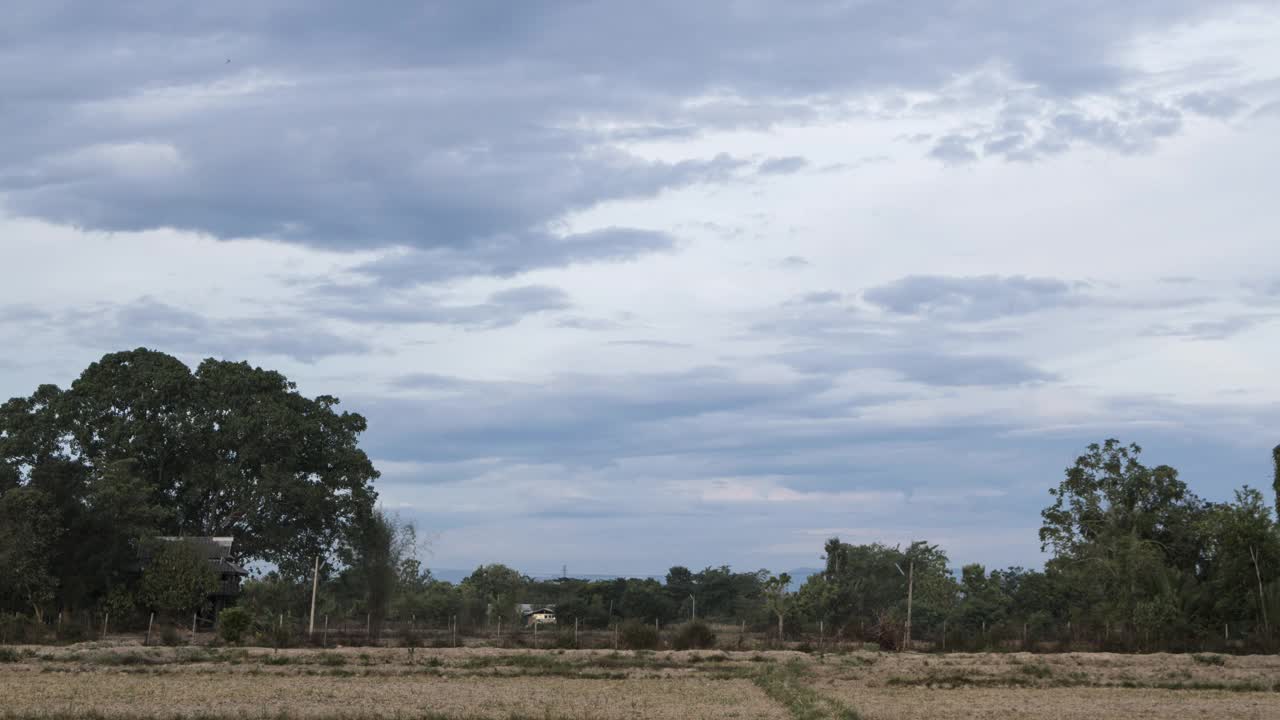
368	628
535	633
1262	599
820	635
324	641
911	578
315	585
575	632
944	634
149	622
193	628
615	636
455	630
106	620
499	629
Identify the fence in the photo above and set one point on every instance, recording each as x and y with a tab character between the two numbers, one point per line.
353	631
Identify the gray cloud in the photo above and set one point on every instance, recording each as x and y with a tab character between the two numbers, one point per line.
371	304
1220	329
783	165
794	262
153	323
451	127
1211	104
954	150
509	255
973	298
819	298
926	367
656	344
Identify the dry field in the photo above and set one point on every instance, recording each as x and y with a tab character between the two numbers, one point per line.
114	681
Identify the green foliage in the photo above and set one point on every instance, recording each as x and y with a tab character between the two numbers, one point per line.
1275	460
29	532
636	635
141	446
177	578
1209	659
171	636
695	635
234	624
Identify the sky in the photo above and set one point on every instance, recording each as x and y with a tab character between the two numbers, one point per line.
621	286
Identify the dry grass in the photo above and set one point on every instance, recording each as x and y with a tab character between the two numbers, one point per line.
447	684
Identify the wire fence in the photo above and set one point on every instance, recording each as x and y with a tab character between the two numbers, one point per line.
329	631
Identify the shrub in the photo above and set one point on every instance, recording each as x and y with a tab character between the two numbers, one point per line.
169	635
233	624
21	629
695	635
281	635
410	639
638	636
1209	659
72	632
564	641
9	655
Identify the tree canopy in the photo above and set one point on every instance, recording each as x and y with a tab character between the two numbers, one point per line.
141	446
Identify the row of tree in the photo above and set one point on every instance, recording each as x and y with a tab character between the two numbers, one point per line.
141	446
1137	561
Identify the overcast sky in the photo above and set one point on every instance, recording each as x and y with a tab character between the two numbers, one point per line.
623	285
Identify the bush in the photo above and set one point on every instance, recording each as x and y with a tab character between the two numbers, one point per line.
695	635
169	635
21	629
9	655
564	641
1209	659
638	636
72	632
233	624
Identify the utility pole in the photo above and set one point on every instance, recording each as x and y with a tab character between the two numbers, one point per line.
315	585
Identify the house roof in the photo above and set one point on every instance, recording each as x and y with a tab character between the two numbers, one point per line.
527	609
216	549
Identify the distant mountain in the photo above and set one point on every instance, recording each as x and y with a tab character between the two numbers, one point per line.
455	576
799	575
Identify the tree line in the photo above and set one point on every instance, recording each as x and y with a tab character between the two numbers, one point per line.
141	446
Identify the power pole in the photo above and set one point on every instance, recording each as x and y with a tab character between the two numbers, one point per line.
315	585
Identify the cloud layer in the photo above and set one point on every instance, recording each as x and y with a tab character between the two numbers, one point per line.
672	282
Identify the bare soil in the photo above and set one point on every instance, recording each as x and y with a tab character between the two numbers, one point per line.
129	681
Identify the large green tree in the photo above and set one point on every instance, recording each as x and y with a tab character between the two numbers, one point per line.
140	445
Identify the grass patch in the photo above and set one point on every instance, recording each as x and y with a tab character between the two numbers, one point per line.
784	684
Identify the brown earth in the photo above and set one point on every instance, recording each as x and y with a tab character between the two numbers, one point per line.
123	681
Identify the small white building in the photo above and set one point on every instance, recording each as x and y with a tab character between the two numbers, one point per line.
537	614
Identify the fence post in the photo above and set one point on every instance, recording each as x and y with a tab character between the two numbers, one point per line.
454	630
149	622
615	635
324	642
106	620
193	628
